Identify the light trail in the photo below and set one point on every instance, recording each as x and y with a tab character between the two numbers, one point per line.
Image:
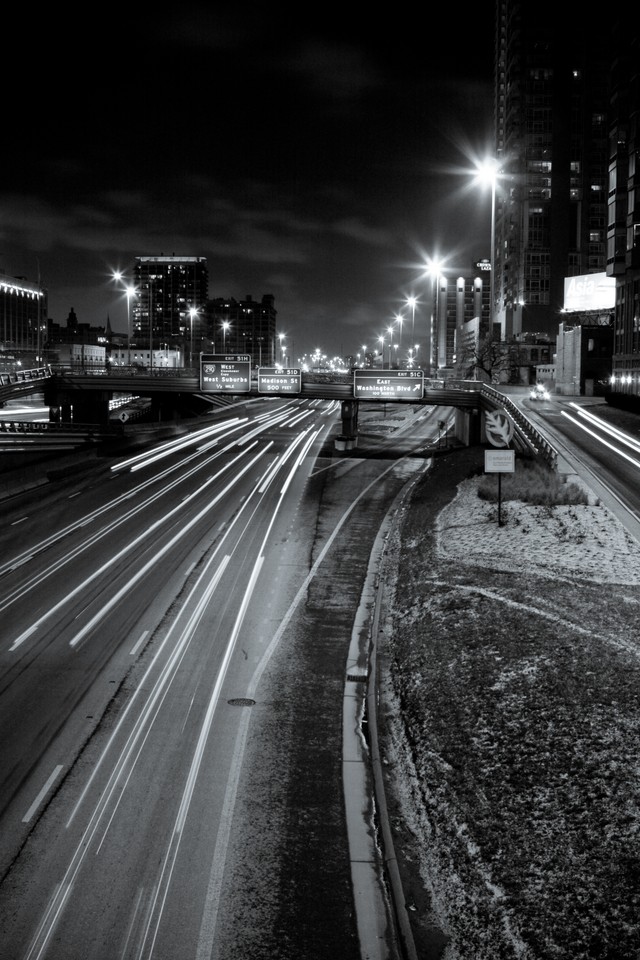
620	435
133	543
28	585
610	446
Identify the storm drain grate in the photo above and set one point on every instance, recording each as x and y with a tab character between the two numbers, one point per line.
241	702
356	678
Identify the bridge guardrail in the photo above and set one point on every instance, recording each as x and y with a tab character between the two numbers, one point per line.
529	435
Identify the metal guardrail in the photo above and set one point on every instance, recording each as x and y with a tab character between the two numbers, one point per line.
16	383
530	438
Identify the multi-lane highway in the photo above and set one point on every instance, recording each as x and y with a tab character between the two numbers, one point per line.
179	630
597	441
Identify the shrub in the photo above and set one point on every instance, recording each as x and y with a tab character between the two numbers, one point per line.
532	482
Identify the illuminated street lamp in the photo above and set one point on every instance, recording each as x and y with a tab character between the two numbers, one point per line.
193	313
130	292
281	337
226	324
411	302
488	172
438	333
382	342
399	320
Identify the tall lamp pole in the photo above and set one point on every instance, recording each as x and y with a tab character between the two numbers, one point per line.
193	313
411	302
438	333
131	292
488	172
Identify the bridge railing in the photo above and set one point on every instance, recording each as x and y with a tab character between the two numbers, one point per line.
530	436
8	378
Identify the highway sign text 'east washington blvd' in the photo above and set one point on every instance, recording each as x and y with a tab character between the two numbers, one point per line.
388	384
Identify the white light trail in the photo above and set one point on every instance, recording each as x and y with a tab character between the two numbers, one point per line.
174	446
592	433
620	435
118	556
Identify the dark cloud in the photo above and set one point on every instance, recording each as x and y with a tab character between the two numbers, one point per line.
311	160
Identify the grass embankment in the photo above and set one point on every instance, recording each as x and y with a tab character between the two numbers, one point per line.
512	696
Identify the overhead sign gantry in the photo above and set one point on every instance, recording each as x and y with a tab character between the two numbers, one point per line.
371	384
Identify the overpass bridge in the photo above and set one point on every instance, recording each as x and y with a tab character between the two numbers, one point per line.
80	400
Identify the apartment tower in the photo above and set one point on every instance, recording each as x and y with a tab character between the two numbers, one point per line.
551	107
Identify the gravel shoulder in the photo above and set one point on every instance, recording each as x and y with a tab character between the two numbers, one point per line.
510	728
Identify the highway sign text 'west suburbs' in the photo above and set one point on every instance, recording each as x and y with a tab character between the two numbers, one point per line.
222	373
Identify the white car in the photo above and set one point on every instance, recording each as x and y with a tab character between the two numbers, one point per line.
539	392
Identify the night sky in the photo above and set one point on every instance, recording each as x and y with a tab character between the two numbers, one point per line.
321	160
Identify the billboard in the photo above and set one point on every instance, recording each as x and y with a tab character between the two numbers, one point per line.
595	291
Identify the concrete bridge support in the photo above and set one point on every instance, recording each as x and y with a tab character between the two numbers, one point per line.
467	426
348	439
77	407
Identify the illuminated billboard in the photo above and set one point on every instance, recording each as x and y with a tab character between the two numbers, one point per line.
595	291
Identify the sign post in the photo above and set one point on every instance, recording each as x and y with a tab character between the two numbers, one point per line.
499	461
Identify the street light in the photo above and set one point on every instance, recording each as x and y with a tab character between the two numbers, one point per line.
281	336
193	313
438	334
130	291
225	327
400	320
488	173
411	302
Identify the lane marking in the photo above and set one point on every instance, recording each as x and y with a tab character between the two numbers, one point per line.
38	800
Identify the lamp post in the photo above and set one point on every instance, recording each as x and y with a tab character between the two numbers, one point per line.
130	291
225	327
390	332
193	313
381	341
488	172
438	332
281	337
399	320
411	302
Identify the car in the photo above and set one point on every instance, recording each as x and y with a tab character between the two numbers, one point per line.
539	392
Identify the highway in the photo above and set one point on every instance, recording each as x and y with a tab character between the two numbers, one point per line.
599	442
175	636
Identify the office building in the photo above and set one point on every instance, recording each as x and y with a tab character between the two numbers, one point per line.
170	301
551	108
24	321
458	301
244	327
623	236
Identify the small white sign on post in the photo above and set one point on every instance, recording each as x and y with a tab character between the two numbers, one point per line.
499	461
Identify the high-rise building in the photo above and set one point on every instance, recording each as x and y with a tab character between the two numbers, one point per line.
623	247
244	327
551	103
170	300
458	300
24	320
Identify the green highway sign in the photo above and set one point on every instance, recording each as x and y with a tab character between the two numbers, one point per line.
277	380
388	384
224	373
